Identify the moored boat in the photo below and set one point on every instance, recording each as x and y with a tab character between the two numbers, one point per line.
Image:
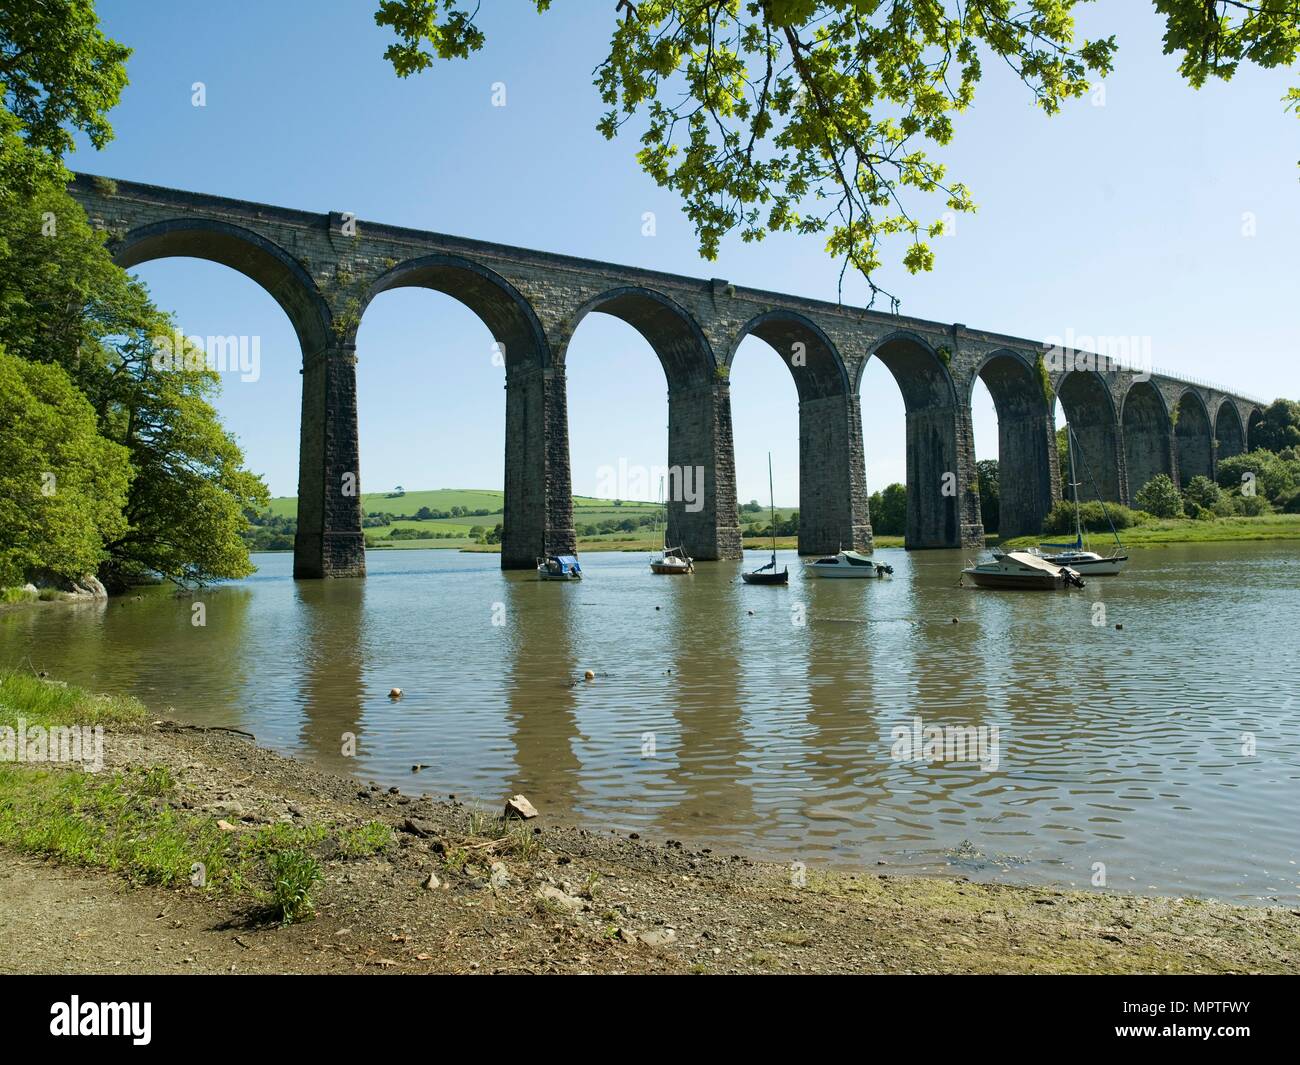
1075	555
672	560
669	559
848	564
559	568
768	574
1024	570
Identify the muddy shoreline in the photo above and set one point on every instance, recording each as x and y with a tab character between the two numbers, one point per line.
453	894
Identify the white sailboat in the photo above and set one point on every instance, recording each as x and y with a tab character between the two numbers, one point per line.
669	559
1075	555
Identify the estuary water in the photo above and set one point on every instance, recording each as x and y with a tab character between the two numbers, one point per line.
775	722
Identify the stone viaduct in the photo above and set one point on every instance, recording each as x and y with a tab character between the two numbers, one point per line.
324	269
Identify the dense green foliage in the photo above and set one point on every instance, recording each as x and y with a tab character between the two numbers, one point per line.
888	510
1160	497
64	303
817	116
1278	427
1261	474
987	472
62	486
1093	516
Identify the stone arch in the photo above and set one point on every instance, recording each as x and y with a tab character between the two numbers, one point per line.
499	305
249	253
930	398
538	511
1253	419
1193	437
822	372
1090	412
701	505
1027	465
832	482
1229	434
669	329
328	539
1147	436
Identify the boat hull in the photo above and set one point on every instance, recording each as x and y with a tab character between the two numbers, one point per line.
766	578
664	567
856	573
1035	582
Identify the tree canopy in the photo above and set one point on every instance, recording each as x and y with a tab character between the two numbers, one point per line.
65	305
818	116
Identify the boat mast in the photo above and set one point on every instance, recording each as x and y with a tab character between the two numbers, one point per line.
663	543
1078	518
771	499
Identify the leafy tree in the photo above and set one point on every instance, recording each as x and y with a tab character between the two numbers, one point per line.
64	302
889	511
987	470
1159	497
1278	427
1204	493
62	485
59	71
817	116
1093	516
1269	476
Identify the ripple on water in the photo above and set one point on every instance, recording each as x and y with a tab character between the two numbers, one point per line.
762	719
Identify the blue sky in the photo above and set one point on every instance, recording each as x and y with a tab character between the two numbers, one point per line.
1124	219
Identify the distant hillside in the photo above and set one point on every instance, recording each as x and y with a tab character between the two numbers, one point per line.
461	517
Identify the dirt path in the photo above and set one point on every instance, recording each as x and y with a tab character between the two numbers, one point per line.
574	900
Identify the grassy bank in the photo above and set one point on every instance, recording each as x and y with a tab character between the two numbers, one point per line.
137	821
1157	531
375	880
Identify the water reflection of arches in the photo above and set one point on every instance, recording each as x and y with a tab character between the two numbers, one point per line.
933	514
1193	438
841	653
704	771
1090	413
1147	438
1027	464
541	706
332	666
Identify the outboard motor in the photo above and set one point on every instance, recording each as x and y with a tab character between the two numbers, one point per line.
882	569
1072	577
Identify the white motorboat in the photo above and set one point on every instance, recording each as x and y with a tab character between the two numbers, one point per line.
559	568
1087	563
848	564
1024	570
1074	555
